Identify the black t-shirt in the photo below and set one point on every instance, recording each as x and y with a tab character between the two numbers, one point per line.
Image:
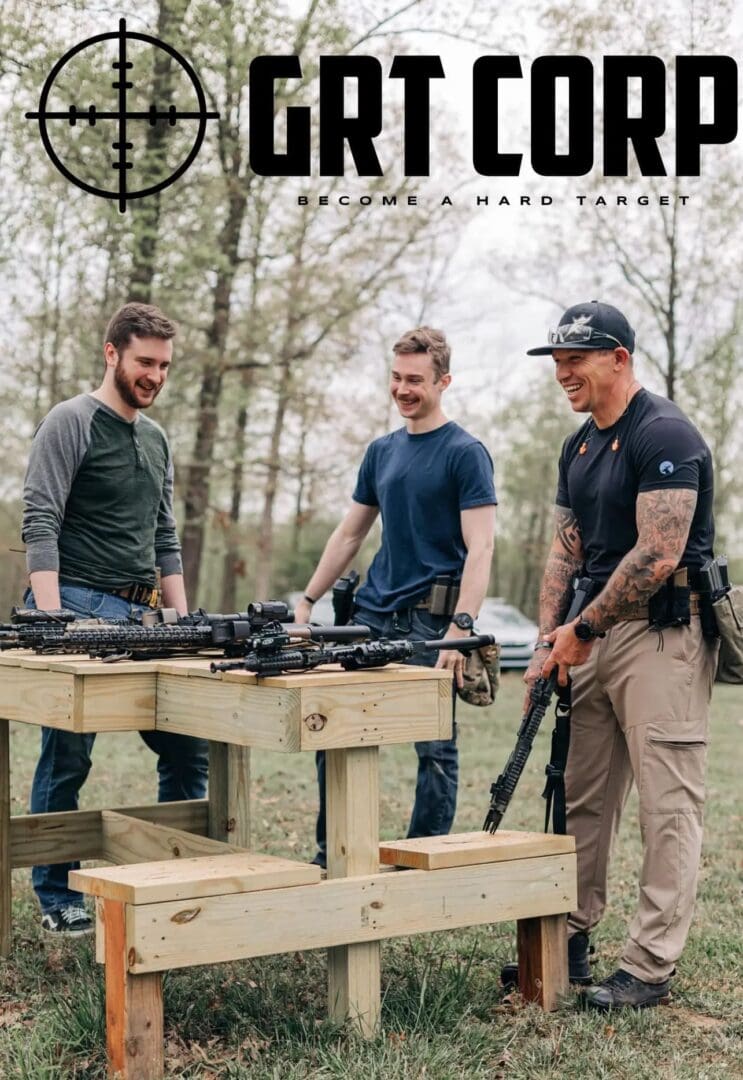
658	448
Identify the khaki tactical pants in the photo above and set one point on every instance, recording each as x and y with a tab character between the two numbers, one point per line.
640	709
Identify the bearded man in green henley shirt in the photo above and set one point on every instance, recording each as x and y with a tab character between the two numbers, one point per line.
98	520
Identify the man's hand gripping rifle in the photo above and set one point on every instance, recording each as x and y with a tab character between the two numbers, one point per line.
350	657
164	633
502	790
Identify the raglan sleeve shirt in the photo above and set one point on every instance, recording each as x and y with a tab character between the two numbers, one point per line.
167	545
57	450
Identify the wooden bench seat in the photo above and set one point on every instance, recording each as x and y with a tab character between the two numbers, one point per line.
471	848
190	878
134	1004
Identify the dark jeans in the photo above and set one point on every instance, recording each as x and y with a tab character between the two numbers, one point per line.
438	760
65	760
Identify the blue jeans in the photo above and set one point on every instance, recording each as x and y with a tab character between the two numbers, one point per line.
64	764
438	760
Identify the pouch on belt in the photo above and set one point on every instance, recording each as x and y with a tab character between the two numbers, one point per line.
729	616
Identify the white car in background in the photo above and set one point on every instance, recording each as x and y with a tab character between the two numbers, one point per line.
515	634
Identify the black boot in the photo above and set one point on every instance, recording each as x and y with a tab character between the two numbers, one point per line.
579	971
579	950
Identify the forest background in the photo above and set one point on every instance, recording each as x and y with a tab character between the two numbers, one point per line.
287	312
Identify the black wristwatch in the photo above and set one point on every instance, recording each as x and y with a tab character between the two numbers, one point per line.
584	631
463	621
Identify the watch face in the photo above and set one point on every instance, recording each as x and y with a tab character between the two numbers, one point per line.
463	621
584	631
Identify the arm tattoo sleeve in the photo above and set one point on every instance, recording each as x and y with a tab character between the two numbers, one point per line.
664	518
563	563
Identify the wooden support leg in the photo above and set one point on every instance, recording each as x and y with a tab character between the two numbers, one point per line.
352	800
229	793
134	1008
6	897
543	959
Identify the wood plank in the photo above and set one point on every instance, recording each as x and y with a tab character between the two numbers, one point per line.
85	665
348	910
78	695
229	793
12	657
467	849
134	1008
29	698
126	839
370	713
196	667
543	959
446	709
6	896
37	839
229	712
123	702
352	798
193	879
100	930
332	675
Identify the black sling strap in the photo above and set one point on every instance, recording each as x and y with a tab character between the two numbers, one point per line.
554	789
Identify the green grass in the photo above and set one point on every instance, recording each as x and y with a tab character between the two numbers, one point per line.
443	1014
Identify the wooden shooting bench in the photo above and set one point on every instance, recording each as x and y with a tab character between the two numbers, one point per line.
184	888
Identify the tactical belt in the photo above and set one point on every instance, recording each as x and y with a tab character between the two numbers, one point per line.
138	594
642	611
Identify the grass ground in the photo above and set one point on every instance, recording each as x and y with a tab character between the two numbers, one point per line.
443	1015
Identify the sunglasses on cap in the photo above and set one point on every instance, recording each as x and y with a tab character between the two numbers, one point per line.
578	333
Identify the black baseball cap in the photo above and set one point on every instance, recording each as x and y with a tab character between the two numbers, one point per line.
592	325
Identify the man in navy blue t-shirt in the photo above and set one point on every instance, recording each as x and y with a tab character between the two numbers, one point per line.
432	483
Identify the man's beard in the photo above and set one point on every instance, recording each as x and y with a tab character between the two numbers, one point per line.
126	392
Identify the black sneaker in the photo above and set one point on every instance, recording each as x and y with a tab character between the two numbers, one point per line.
622	990
70	921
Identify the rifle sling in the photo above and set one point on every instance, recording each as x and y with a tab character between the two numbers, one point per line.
554	789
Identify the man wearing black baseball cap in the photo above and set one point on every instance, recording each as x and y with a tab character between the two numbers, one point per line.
634	513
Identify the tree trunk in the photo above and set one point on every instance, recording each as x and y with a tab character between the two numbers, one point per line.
196	500
264	544
233	566
146	212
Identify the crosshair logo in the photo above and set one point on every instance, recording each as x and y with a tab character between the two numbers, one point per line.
123	117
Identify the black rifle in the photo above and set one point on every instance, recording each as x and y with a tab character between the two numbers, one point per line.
501	792
350	657
165	634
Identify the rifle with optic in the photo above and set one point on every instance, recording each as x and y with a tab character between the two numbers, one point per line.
370	654
163	633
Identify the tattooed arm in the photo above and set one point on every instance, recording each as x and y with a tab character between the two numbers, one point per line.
664	518
564	561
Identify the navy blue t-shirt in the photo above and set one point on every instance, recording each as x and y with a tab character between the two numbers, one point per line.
420	483
658	447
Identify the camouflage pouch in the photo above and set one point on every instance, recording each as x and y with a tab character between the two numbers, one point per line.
729	615
481	676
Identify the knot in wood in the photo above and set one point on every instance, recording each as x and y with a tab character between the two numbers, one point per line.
315	721
185	916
